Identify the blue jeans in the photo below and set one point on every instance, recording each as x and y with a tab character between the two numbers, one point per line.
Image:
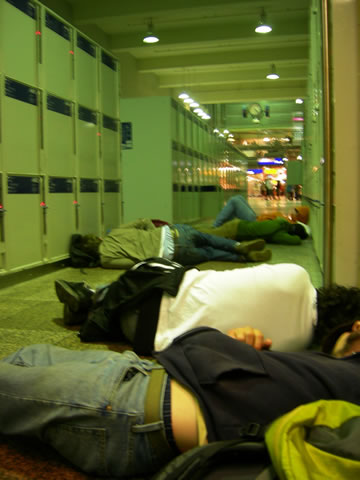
192	247
236	207
88	405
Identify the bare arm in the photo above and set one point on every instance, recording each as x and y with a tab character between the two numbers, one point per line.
251	336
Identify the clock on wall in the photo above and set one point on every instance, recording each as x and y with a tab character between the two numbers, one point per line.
255	109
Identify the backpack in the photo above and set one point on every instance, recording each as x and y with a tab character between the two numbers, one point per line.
318	440
241	459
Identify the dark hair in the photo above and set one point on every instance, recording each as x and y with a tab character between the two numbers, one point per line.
90	244
338	307
299	230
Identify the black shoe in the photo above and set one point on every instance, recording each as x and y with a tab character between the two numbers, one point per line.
74	318
76	295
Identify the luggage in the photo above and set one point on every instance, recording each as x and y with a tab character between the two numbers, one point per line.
318	440
224	460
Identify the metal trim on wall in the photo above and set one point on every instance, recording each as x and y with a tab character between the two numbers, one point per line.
328	178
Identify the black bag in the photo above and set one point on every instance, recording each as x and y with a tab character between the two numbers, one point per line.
224	460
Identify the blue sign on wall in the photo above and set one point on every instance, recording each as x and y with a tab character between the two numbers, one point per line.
126	135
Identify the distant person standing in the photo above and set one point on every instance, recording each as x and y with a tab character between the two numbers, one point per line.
269	188
290	192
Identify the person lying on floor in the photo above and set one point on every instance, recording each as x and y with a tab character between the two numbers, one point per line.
238	207
278	230
149	305
133	242
117	415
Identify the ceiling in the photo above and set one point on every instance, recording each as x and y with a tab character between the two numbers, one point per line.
209	48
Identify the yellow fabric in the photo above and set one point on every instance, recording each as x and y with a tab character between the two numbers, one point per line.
296	459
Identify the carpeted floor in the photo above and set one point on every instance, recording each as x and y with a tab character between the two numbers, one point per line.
30	313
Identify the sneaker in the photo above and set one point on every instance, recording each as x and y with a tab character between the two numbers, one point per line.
260	256
246	247
74	318
77	295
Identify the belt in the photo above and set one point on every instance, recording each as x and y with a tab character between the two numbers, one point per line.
161	440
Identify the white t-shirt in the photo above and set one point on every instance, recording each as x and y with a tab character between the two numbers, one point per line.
278	299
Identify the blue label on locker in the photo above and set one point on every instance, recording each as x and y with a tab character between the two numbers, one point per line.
87	115
19	91
110	123
108	61
25	6
18	184
56	104
60	185
57	26
126	135
85	45
88	185
111	186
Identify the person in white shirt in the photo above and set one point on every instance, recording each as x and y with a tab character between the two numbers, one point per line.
279	300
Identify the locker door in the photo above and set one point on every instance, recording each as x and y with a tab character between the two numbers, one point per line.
89	207
110	147
60	216
111	205
59	136
58	57
18	40
86	73
87	142
109	85
21	130
23	222
2	224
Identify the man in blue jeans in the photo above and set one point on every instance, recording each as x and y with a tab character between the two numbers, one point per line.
118	415
133	242
236	207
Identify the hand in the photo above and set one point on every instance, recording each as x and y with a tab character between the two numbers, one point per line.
251	336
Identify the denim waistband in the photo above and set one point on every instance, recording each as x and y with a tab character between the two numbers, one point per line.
157	409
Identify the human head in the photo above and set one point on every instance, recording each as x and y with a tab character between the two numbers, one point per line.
338	307
90	244
298	229
343	340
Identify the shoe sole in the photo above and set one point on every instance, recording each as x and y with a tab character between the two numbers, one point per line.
246	247
67	295
262	256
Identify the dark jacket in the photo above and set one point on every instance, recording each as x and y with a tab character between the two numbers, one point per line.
139	288
238	386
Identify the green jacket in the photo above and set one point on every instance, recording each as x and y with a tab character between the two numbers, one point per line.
272	231
130	243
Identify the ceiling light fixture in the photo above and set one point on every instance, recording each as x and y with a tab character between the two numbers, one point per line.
183	95
263	26
272	75
150	37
